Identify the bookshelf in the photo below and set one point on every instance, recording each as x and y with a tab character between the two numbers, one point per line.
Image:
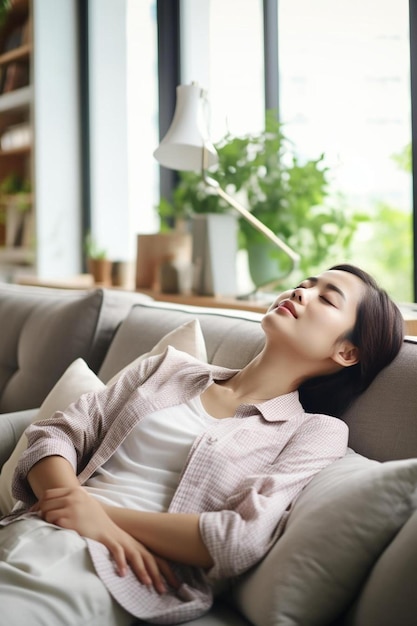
16	167
40	141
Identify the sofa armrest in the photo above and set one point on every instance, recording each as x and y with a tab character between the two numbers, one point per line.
12	426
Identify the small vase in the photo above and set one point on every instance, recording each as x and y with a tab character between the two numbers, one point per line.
214	254
153	250
101	271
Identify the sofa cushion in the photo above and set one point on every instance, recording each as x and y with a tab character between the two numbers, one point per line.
340	524
76	380
44	330
12	426
388	596
188	337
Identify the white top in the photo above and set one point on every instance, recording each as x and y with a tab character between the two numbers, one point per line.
144	471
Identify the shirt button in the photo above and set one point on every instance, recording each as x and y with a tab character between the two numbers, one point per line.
211	439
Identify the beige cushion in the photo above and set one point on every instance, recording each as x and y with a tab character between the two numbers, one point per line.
339	526
75	381
79	379
188	338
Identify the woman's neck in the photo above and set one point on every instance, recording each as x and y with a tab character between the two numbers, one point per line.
265	377
262	379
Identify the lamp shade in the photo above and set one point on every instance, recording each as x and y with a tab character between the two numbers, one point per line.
182	146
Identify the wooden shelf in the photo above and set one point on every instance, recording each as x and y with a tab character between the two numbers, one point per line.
25	150
22	53
16	256
17	99
221	302
31	94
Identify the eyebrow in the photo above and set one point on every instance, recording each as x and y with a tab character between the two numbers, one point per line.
331	286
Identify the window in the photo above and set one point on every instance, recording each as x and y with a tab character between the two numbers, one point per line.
142	114
123	82
345	91
222	49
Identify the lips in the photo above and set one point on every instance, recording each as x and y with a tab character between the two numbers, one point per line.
287	304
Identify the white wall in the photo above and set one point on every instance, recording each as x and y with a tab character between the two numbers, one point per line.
108	127
56	146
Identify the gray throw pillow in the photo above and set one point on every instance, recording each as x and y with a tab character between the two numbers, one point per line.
339	526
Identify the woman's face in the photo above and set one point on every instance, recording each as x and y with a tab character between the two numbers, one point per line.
317	315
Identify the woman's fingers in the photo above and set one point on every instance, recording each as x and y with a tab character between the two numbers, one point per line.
73	508
167	572
145	567
119	557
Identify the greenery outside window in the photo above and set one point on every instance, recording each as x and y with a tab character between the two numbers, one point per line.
345	90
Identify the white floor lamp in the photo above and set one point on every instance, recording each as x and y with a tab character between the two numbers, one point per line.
187	146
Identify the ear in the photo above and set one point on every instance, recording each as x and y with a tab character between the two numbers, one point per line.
346	354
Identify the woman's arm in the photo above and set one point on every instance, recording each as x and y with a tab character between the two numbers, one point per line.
51	472
62	501
174	536
171	536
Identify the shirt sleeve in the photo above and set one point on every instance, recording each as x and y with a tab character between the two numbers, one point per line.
239	535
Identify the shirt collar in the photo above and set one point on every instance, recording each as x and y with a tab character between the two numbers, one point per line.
279	409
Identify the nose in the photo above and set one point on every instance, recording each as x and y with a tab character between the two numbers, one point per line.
299	294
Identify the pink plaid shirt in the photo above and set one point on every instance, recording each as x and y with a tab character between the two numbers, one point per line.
241	475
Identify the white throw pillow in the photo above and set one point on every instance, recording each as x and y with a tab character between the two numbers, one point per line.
76	380
79	379
188	337
340	524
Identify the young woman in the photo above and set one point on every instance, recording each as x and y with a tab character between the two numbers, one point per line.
182	473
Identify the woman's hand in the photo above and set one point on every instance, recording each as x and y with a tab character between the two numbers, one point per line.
73	508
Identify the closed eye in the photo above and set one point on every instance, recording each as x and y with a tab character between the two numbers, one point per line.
327	301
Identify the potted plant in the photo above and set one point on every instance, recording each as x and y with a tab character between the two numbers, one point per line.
98	264
16	214
290	196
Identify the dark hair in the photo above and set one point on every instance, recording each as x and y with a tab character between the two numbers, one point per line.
378	333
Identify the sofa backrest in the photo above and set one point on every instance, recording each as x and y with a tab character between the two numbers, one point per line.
232	338
44	330
382	422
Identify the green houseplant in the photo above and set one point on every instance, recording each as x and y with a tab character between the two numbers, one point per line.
290	196
15	211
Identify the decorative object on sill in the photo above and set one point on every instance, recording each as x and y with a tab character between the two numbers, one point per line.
292	197
100	269
153	250
98	265
175	276
186	146
121	274
214	254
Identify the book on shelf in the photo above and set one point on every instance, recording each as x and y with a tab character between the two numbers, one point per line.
16	136
14	76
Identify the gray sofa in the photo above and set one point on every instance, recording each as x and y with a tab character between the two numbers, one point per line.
348	553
